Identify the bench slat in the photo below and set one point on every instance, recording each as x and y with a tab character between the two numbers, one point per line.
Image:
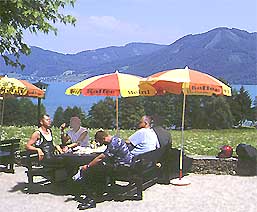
7	153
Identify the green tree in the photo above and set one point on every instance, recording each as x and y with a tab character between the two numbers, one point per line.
102	114
163	106
218	113
240	104
67	114
20	111
32	15
10	110
196	116
28	112
130	111
75	111
255	109
58	117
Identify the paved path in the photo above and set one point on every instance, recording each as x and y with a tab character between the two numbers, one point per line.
207	193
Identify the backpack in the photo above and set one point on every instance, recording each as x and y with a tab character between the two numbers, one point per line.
226	151
247	160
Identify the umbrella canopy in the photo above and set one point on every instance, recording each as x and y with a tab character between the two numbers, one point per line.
16	87
19	88
188	82
114	84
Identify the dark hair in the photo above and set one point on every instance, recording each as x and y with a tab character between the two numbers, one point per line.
100	135
43	116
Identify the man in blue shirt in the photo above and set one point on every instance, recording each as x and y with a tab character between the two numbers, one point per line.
117	151
116	154
145	139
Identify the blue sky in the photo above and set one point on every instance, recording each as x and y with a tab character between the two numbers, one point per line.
103	23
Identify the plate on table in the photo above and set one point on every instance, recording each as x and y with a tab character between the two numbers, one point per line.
100	149
82	150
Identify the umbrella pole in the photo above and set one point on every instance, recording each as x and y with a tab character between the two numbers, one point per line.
117	115
182	138
180	181
2	118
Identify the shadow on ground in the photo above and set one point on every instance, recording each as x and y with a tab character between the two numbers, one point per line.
77	191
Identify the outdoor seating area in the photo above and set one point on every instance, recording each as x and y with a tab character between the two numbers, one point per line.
8	149
148	169
29	159
157	163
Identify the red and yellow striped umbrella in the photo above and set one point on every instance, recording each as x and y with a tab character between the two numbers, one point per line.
188	82
16	87
114	84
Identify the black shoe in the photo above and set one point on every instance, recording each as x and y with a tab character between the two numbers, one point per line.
86	205
81	198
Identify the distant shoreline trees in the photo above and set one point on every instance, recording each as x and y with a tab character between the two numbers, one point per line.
202	112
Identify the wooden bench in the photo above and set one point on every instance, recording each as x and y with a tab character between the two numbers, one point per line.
145	172
29	159
8	149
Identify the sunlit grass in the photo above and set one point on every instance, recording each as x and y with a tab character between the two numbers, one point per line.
196	142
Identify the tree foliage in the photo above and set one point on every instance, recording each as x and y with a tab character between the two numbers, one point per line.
218	113
58	117
20	111
168	107
102	114
240	104
202	112
130	111
63	116
32	15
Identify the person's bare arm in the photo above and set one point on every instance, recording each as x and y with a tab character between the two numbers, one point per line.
94	162
129	144
29	146
64	136
82	137
77	143
127	141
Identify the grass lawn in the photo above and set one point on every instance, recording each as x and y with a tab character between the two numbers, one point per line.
197	142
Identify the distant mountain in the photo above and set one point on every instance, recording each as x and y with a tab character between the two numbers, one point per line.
227	53
222	52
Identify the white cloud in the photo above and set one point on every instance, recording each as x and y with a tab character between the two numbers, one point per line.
92	32
106	24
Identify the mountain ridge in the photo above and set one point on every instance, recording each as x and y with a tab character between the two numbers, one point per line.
225	53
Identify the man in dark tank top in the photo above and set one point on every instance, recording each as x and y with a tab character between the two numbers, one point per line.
42	142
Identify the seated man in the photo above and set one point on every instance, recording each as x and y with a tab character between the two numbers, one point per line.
116	154
145	139
77	135
42	142
164	138
163	135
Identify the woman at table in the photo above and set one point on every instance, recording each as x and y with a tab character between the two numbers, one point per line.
76	136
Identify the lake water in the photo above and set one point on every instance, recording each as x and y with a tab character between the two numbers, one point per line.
55	97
